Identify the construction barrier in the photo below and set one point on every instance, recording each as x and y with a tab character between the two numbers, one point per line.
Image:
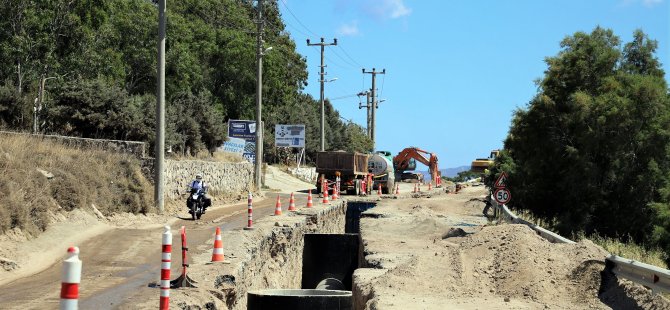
70	279
309	199
183	280
250	217
217	252
291	203
278	206
166	260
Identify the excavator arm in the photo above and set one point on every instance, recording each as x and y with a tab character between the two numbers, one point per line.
402	160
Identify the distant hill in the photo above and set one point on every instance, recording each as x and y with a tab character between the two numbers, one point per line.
449	172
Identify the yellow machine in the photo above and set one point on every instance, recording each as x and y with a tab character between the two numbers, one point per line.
480	164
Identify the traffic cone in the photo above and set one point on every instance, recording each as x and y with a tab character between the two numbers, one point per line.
430	186
217	252
278	206
325	196
309	199
291	203
397	189
414	190
334	196
379	190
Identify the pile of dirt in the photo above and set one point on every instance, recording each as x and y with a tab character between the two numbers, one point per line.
440	253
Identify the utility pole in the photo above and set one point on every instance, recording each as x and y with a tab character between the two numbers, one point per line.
259	96
160	112
367	106
374	104
322	80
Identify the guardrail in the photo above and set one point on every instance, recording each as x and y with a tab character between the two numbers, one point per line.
655	278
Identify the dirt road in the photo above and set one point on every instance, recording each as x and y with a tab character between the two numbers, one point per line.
118	266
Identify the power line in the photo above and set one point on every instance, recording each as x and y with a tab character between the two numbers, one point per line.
343	97
347	54
347	62
296	18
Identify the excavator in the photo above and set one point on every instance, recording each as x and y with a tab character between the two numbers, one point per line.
481	164
407	158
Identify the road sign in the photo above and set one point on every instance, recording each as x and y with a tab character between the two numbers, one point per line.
502	180
290	135
502	196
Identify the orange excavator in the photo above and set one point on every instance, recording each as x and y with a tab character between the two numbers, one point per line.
407	158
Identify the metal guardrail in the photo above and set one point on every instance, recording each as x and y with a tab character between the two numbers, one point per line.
655	278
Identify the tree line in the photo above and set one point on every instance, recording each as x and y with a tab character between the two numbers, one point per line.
88	69
591	151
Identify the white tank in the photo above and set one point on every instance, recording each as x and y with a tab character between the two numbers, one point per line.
380	165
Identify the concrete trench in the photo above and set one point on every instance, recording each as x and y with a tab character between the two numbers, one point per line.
281	262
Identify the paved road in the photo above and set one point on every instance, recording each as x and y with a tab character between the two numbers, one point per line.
118	266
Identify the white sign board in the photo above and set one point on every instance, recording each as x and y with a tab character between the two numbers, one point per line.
233	145
290	135
502	196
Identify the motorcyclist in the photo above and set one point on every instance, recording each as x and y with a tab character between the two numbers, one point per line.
201	186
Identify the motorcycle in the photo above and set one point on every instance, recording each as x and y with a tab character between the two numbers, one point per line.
196	203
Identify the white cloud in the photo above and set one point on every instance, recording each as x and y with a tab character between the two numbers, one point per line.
384	9
349	29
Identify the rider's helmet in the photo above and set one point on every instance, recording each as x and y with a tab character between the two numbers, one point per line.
198	176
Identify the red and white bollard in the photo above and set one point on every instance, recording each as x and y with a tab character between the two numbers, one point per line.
363	188
69	288
166	261
397	189
430	185
250	217
379	190
309	199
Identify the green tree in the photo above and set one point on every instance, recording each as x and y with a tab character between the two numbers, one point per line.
591	150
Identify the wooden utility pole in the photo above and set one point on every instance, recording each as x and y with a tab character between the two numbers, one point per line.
322	80
374	104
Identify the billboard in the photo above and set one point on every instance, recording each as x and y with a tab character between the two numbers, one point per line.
233	145
246	130
290	135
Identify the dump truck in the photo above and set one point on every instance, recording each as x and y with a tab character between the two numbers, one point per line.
352	168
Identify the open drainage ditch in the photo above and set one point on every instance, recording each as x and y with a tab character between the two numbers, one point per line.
328	264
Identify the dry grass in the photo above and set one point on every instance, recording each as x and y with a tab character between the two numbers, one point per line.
628	250
81	178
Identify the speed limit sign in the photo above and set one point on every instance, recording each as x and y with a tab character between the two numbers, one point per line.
502	196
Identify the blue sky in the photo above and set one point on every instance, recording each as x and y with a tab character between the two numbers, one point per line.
455	70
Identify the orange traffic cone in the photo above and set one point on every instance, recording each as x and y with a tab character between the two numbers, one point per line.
430	186
291	203
217	252
325	196
379	190
278	206
397	189
309	199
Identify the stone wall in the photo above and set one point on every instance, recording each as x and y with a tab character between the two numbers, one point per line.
135	148
307	174
224	179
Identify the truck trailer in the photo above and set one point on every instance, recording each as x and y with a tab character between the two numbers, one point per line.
352	168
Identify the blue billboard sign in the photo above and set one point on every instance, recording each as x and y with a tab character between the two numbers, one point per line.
244	129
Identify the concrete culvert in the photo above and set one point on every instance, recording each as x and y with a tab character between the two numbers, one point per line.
454	232
296	299
330	284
